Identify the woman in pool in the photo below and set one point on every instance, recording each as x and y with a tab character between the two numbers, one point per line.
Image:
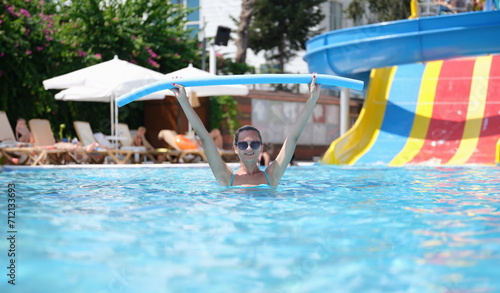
248	146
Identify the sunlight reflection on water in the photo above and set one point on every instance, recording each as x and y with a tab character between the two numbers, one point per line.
415	229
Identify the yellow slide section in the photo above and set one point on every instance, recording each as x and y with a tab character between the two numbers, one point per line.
497	155
356	141
425	105
475	111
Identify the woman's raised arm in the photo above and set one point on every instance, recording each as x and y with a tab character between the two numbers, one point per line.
220	169
277	168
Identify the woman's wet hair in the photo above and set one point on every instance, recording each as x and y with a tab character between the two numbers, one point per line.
245	128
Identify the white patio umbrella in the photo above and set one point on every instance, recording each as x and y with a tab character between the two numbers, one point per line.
90	94
84	94
200	91
103	82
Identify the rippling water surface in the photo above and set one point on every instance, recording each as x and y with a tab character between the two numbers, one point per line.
325	229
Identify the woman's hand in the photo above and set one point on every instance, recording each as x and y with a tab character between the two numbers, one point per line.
314	89
179	91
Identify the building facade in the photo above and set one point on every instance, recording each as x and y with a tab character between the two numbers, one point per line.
214	13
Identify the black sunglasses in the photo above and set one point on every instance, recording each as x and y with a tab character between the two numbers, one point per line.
243	145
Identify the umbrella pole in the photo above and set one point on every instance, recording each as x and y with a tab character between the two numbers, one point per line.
112	114
116	116
190	130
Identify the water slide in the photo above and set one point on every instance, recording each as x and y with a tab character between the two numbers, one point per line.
433	94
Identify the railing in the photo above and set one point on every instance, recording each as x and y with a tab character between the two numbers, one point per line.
431	8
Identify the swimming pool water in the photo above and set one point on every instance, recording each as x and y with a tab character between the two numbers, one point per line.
324	229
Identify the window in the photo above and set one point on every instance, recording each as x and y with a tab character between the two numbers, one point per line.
193	18
196	29
335	16
195	15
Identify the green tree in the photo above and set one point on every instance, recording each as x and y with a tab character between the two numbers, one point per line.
223	112
281	28
243	29
147	32
38	42
227	66
379	10
27	44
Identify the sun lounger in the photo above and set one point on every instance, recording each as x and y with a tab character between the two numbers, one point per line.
123	155
142	152
7	137
18	153
66	152
125	141
87	137
181	155
8	141
45	142
169	136
37	155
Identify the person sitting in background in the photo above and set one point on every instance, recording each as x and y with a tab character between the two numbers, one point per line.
477	5
139	136
217	137
140	139
445	7
265	156
74	147
23	133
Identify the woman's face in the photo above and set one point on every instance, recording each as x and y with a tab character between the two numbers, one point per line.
249	153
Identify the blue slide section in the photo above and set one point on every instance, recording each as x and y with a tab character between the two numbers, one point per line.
399	115
353	52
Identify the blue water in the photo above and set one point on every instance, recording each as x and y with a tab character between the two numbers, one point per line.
325	229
